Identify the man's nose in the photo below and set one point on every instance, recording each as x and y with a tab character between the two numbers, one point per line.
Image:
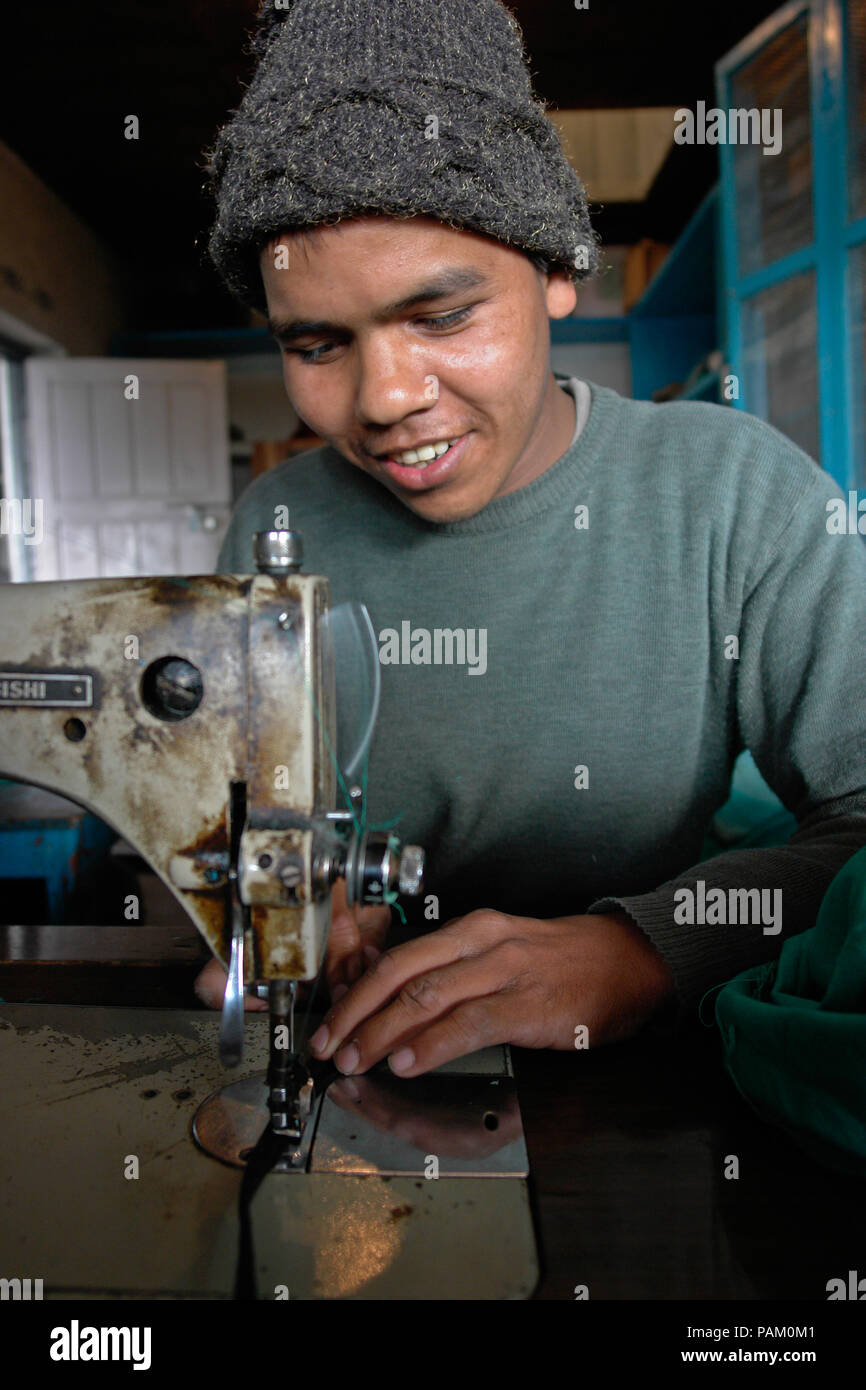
392	382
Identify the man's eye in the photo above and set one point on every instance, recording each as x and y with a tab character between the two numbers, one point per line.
311	354
436	321
447	320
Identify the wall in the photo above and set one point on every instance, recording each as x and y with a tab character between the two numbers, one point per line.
258	404
607	364
55	275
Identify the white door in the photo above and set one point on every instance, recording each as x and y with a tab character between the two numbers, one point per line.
129	464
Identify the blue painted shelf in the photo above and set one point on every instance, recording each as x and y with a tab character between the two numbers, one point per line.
676	321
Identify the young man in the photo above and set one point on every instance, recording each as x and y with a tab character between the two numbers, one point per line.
586	605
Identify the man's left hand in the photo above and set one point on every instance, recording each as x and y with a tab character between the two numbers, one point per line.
491	978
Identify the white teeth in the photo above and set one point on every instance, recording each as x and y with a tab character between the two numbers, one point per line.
416	457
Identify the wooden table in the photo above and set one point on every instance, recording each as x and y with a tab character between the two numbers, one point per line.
628	1146
628	1149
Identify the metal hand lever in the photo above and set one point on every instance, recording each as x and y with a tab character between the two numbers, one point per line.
232	1024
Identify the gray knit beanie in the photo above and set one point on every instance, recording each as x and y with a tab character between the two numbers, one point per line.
404	107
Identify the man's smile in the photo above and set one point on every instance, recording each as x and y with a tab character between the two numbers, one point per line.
422	451
429	471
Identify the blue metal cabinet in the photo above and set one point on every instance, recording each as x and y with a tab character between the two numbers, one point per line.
793	228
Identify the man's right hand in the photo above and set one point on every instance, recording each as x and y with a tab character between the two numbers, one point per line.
356	940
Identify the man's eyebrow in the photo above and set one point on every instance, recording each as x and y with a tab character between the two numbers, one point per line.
440	287
284	330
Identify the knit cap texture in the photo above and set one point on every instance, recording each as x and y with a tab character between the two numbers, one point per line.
403	107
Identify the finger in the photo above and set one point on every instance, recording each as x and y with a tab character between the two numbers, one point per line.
422	1000
471	1026
383	980
210	987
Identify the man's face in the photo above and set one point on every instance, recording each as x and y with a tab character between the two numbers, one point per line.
406	335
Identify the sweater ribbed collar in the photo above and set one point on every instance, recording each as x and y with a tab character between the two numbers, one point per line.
556	484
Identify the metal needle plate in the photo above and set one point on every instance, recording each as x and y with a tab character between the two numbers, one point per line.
378	1123
447	1126
229	1124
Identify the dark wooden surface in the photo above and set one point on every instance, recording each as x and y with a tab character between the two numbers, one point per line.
131	966
628	1146
157	946
628	1149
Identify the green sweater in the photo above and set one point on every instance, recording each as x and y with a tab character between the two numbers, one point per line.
574	757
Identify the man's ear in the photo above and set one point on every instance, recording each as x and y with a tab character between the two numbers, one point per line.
560	293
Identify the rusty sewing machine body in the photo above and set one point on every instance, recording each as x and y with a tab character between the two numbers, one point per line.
198	717
218	723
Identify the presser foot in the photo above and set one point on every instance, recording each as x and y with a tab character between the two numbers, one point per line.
232	1123
290	1101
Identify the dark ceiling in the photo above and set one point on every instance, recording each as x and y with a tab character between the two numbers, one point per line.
72	72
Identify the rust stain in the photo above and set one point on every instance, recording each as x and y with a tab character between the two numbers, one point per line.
278	955
210	841
210	914
172	591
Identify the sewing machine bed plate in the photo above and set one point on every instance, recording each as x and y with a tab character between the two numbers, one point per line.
88	1090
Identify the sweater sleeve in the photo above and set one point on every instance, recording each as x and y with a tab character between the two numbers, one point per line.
800	686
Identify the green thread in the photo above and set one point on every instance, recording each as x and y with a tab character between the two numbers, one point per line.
704	996
744	977
393	901
390	896
361	826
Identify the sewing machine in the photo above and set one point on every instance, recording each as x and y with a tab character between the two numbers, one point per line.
219	724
